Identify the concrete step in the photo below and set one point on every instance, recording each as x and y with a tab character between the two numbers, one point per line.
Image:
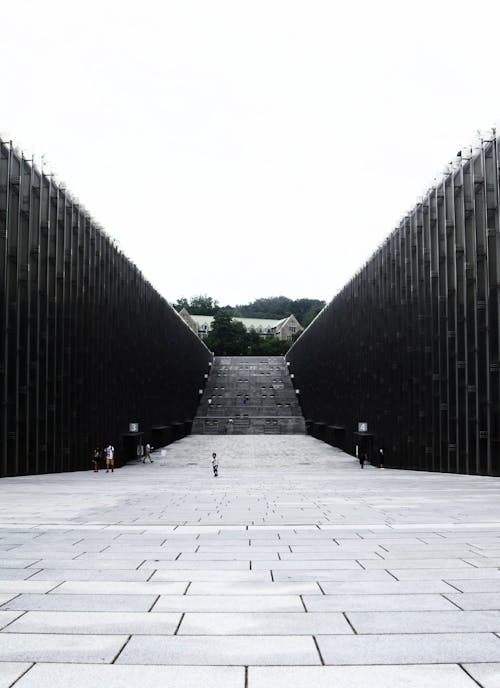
272	405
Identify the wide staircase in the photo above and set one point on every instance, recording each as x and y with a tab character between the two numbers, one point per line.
249	395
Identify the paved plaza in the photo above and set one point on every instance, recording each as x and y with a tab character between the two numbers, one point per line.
293	569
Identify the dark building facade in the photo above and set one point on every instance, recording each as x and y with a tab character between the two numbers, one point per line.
411	345
86	344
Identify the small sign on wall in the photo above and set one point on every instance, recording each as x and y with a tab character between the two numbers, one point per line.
133	427
362	427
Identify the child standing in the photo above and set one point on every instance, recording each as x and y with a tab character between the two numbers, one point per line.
215	464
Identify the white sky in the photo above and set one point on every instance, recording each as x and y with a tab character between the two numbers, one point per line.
248	149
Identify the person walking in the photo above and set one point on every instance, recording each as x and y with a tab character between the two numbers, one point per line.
96	458
215	464
109	452
147	453
381	457
362	458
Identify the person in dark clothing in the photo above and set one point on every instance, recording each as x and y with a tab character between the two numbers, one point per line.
215	464
96	458
362	458
381	457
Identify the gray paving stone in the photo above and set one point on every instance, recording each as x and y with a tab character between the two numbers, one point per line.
329	556
16	574
246	556
243	549
292	565
7	617
258	623
476	601
121	588
82	603
437	648
114	676
355	677
10	671
389	586
426	621
203	566
485	585
17	563
103	623
393	563
487	675
26	647
229	603
4	598
374	577
253	588
347	603
90	575
101	564
218	575
445	574
233	650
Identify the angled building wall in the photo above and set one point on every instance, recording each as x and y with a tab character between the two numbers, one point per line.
411	345
86	344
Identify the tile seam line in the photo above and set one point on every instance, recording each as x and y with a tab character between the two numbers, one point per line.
121	649
13	620
32	664
322	661
470	675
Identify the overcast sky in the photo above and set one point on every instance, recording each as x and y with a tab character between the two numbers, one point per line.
248	149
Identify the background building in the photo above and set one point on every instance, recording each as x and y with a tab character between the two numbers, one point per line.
283	329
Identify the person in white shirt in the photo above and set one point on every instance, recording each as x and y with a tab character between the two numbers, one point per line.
147	454
109	452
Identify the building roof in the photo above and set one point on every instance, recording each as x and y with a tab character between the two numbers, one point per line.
249	323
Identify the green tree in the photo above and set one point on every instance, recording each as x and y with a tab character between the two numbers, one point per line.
227	337
197	305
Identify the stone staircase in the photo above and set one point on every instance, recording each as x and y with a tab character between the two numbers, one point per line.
256	392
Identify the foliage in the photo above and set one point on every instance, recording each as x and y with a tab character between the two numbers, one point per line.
305	310
197	305
229	337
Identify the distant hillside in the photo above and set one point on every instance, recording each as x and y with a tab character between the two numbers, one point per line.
305	310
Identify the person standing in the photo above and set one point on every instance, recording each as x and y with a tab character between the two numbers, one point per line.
96	458
110	458
147	453
215	464
362	458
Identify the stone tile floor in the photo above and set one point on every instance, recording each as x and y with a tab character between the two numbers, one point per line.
292	569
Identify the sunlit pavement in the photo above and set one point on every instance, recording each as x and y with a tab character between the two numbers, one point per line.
294	568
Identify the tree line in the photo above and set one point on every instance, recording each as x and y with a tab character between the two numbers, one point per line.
275	307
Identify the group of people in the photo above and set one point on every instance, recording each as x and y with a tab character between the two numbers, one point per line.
363	456
108	453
